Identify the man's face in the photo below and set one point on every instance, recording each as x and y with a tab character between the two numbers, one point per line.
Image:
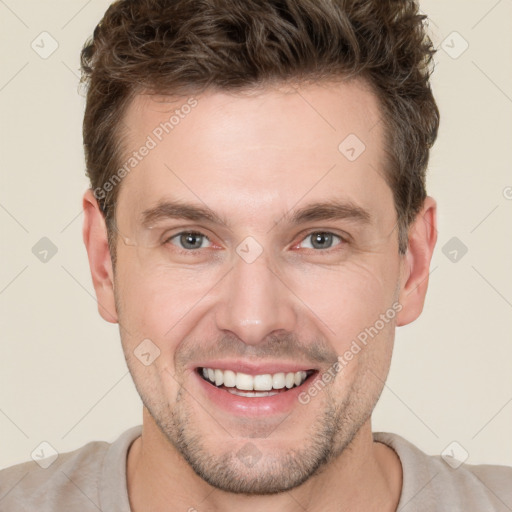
261	293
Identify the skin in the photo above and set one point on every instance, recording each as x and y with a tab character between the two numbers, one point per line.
252	158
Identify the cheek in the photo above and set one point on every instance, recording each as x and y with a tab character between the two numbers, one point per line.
341	300
346	298
159	304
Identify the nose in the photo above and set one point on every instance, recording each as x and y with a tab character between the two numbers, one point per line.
255	302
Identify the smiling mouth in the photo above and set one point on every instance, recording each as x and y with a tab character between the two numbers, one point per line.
254	386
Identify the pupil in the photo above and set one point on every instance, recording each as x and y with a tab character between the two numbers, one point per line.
189	239
321	238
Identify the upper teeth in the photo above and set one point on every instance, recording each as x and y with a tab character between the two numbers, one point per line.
264	382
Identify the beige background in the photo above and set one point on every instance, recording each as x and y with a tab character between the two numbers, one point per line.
63	375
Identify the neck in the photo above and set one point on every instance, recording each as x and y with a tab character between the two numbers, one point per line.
366	476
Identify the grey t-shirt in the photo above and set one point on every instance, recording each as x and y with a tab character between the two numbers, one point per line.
93	478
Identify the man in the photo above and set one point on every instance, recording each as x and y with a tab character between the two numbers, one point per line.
258	226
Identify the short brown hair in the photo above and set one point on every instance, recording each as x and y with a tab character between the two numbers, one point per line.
166	46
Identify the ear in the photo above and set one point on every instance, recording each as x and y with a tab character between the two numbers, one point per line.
415	264
96	242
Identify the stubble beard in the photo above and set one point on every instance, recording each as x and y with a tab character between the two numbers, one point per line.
249	469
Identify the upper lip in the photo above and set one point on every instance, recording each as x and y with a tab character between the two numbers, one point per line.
253	368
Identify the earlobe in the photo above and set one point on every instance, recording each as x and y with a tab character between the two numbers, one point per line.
416	263
100	262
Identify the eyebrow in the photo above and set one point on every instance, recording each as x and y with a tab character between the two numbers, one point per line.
330	210
180	210
319	211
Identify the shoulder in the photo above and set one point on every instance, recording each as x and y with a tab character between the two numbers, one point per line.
433	483
71	482
65	482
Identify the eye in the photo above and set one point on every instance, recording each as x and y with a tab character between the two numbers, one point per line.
188	240
321	240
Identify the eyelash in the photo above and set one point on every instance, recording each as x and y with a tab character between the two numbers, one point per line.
187	252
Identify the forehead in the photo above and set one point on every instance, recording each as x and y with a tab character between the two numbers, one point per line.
281	115
256	151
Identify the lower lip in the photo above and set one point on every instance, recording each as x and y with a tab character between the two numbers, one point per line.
280	403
